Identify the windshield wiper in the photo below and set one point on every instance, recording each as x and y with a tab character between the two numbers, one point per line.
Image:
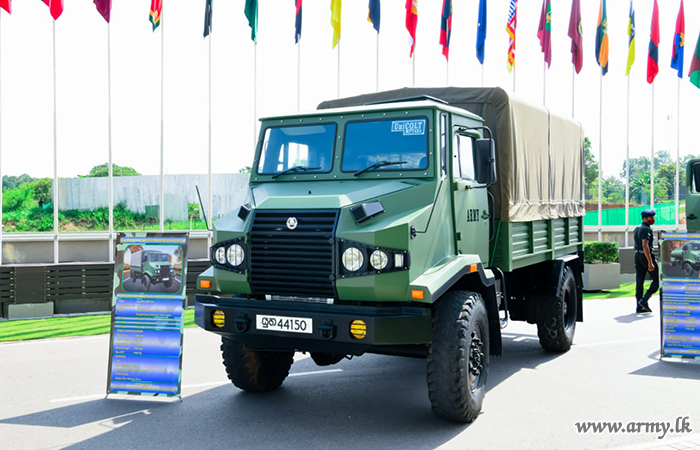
294	169
377	165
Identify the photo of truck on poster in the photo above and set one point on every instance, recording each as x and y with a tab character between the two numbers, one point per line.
681	258
153	268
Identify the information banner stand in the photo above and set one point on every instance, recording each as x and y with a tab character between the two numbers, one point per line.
148	302
680	299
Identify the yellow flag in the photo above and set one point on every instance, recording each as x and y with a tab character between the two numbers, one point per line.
335	20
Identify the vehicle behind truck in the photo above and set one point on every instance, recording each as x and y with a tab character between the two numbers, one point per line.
414	222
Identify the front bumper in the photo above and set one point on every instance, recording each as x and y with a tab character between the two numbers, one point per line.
386	326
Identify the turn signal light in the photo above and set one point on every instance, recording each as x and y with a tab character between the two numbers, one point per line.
205	284
358	329
218	318
417	294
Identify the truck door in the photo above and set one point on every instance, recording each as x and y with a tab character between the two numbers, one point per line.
692	195
471	210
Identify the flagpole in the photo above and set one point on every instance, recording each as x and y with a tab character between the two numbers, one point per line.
255	93
600	160
414	67
447	73
110	170
210	194
1	227
299	75
627	170
573	91
377	87
482	75
162	120
678	153
652	147
544	83
338	67
513	77
55	157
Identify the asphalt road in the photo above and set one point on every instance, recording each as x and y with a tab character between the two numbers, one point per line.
52	396
137	286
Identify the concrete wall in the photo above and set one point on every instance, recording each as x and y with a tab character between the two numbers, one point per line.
230	190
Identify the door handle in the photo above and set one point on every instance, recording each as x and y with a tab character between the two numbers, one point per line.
485	215
692	217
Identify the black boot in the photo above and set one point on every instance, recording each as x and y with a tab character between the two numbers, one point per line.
643	306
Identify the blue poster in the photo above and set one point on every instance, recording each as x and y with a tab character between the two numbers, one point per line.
680	305
148	314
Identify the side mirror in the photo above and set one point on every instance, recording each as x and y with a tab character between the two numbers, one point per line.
696	177
485	161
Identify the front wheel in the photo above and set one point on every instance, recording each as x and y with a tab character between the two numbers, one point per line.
253	370
458	357
168	283
556	321
687	269
146	280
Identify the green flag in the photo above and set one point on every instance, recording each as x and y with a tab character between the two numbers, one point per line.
251	12
695	66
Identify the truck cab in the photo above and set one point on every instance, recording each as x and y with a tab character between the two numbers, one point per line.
371	229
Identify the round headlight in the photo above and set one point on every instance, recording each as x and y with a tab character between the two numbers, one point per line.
235	255
220	255
353	259
378	259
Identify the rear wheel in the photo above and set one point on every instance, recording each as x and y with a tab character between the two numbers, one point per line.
687	269
556	321
253	370
458	357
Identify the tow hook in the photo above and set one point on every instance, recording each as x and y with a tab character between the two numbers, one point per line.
327	330
241	322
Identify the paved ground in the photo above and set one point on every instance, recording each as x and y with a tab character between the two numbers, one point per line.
51	396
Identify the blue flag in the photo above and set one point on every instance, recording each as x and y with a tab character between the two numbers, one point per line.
679	43
481	32
375	14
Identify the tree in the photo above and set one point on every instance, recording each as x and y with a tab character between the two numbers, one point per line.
591	174
10	182
613	190
118	171
43	190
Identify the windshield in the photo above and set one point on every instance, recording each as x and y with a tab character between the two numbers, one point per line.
695	246
307	146
370	142
153	257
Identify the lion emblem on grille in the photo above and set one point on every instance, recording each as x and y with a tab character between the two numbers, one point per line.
292	223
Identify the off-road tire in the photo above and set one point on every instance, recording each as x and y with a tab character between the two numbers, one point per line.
252	370
556	321
326	359
688	270
460	344
146	281
168	283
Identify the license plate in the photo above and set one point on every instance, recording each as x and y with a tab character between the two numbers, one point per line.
166	279
286	324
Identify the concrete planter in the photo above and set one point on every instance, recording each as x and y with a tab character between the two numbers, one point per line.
597	277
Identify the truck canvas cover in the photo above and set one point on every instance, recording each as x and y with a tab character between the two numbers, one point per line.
540	154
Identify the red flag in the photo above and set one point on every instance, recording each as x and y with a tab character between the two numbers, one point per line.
653	58
576	35
544	32
6	5
412	21
55	7
104	7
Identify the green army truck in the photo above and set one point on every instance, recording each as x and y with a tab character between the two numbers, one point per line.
151	267
692	195
688	257
413	222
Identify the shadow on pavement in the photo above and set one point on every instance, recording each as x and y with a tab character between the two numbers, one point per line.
375	402
670	368
634	317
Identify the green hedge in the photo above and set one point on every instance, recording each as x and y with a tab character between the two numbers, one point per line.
595	252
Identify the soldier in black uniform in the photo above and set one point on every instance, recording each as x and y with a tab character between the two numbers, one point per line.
644	260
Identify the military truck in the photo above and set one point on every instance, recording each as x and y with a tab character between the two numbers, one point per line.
692	195
151	267
413	222
688	257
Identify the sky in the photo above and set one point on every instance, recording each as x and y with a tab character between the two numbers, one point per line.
249	81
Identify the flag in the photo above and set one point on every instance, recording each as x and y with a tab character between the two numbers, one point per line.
297	22
207	17
510	28
544	32
694	73
446	27
336	6
601	38
156	13
55	7
412	21
631	34
653	58
576	35
481	32
251	13
104	7
6	5
679	43
374	14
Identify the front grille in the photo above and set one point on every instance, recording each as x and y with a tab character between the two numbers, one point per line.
299	261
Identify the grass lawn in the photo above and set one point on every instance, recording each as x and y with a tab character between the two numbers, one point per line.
20	330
